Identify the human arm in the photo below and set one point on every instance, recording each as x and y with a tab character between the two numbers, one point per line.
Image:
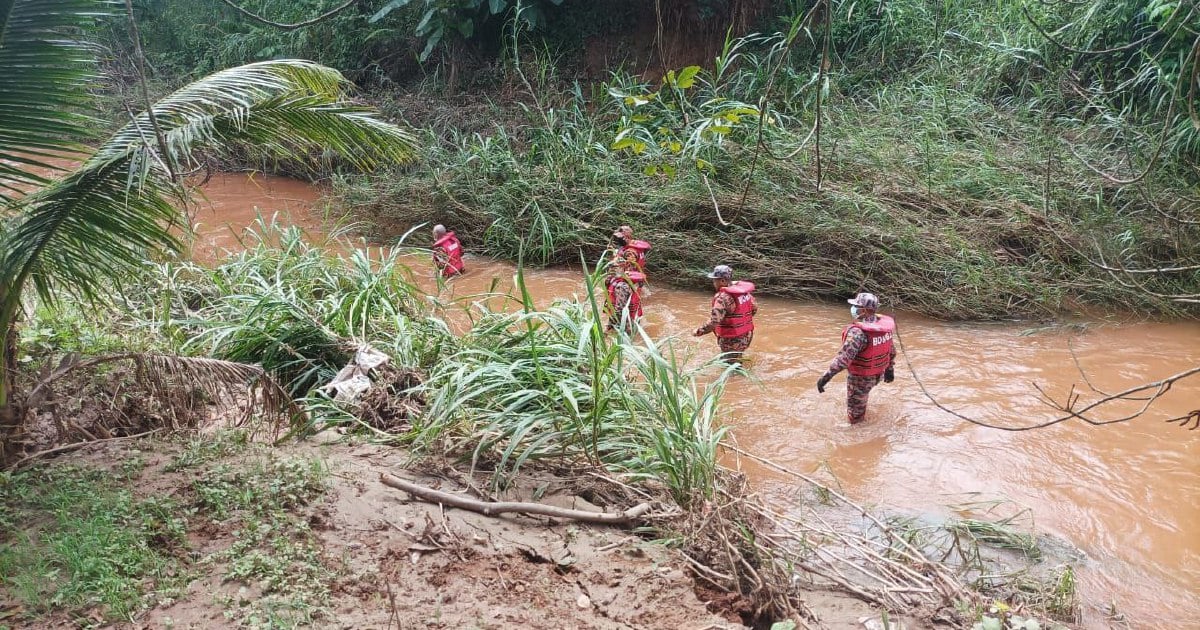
856	340
889	374
720	307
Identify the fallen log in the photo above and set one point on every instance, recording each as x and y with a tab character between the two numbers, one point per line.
493	508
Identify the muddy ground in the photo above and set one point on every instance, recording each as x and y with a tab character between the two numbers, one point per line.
389	561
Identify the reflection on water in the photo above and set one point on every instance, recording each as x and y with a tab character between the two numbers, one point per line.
1124	494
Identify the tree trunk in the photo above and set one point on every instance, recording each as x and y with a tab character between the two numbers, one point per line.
11	415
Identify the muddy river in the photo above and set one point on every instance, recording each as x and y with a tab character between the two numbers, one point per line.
1125	495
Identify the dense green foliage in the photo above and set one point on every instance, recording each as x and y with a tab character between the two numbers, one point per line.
101	218
976	159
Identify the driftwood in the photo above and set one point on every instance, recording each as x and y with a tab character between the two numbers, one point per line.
489	508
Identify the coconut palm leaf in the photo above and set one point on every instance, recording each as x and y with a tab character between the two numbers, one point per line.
226	383
289	108
92	225
44	71
100	220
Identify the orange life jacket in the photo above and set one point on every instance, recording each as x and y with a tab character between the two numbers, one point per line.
639	249
454	262
873	359
740	320
633	278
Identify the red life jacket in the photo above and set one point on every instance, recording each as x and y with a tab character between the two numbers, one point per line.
873	359
454	262
633	278
639	249
740	320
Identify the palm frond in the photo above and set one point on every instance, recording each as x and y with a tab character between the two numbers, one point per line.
99	222
86	227
222	381
44	72
288	107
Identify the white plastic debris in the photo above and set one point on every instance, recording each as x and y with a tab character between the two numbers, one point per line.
351	381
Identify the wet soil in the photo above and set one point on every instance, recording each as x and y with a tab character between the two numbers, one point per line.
396	562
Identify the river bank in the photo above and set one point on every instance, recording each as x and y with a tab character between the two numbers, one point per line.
897	443
958	223
920	460
329	546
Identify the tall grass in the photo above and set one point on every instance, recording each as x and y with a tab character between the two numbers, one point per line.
517	387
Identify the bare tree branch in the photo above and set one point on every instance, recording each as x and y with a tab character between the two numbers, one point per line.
292	27
1069	408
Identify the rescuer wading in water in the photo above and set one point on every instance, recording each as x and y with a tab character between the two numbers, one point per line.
732	316
630	254
624	304
867	353
447	252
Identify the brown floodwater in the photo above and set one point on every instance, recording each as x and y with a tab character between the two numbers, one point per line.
1125	495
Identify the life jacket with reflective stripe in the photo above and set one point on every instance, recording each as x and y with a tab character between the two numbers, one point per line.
454	261
874	358
740	320
639	249
635	299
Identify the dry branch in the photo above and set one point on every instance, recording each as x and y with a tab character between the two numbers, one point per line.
1146	393
76	445
500	507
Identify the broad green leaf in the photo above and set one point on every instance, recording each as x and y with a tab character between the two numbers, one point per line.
650	170
431	43
388	8
496	6
623	143
426	21
687	77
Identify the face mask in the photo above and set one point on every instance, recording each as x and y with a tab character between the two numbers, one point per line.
619	240
854	312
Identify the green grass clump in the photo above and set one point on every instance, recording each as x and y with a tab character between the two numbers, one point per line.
550	386
203	449
73	541
516	387
997	534
264	486
274	550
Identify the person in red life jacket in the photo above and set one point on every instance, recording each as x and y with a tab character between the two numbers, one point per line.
867	353
447	252
631	253
733	311
624	305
